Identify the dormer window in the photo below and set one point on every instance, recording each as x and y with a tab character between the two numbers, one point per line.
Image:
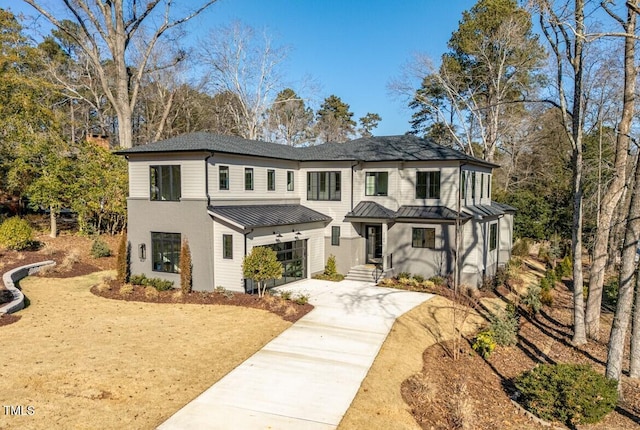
165	183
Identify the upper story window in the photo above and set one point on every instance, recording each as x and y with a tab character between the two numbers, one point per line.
463	185
165	249
271	180
323	185
428	185
481	185
165	182
489	186
290	180
223	173
376	184
248	178
473	185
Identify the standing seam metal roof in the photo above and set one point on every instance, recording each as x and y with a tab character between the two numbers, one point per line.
268	215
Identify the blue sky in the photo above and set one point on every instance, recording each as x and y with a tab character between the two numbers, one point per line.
352	48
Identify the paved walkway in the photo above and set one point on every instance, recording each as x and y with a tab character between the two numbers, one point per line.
307	377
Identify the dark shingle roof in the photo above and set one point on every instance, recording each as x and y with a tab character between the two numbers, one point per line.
267	215
371	210
377	148
428	212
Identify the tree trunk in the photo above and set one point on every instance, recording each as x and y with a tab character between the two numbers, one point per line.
615	189
54	222
626	285
634	353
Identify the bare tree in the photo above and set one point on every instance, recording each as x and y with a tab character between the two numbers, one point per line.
108	29
614	191
243	64
564	29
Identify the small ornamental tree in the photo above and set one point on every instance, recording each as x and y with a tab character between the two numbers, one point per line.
261	265
123	260
186	268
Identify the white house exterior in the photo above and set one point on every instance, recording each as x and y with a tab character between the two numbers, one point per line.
397	203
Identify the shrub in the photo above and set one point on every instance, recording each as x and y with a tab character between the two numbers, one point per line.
532	299
404	275
151	293
418	278
569	393
16	234
546	298
138	279
69	260
302	299
100	249
545	285
123	264
157	283
126	289
330	268
285	295
551	276
565	268
521	248
438	281
504	326
186	268
484	343
610	296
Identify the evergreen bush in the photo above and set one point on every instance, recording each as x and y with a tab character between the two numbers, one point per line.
123	264
186	268
330	269
16	234
484	343
569	393
504	326
532	299
100	249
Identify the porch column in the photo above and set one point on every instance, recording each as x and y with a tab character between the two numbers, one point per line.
385	228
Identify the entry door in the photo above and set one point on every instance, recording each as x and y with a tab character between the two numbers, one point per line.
374	243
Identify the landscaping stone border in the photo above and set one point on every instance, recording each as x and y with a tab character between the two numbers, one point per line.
533	417
12	276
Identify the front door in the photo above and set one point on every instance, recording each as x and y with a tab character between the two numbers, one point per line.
374	244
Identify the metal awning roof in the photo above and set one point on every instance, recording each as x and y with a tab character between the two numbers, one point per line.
267	215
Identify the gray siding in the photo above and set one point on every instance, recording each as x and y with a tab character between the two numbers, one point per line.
190	219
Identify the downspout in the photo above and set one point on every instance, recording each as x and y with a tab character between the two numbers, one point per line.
206	178
246	233
352	166
456	271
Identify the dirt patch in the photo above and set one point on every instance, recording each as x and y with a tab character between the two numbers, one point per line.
410	387
6	319
286	309
81	361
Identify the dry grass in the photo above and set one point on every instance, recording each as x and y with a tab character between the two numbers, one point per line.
379	403
85	362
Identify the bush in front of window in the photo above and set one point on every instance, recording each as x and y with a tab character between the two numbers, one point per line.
16	234
186	267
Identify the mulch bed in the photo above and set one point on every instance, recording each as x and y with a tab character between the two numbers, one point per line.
482	387
286	309
6	319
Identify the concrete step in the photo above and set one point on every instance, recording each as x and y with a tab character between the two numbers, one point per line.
363	274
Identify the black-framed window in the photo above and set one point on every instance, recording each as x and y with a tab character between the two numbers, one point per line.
481	185
248	178
428	185
489	186
223	174
493	237
323	186
423	238
335	235
227	246
473	185
165	183
271	180
165	250
376	184
463	185
290	180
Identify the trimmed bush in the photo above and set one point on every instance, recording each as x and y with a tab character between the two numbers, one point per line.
157	283
504	326
16	234
100	249
484	343
438	281
419	278
186	268
568	393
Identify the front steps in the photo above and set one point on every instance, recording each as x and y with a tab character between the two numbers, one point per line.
365	273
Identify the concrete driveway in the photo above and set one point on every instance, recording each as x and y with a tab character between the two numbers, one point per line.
307	377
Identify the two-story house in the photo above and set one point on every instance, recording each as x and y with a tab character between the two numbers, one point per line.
400	203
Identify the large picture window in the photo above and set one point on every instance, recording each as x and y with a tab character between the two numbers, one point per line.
428	185
165	248
323	186
376	184
248	178
223	173
165	183
423	238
